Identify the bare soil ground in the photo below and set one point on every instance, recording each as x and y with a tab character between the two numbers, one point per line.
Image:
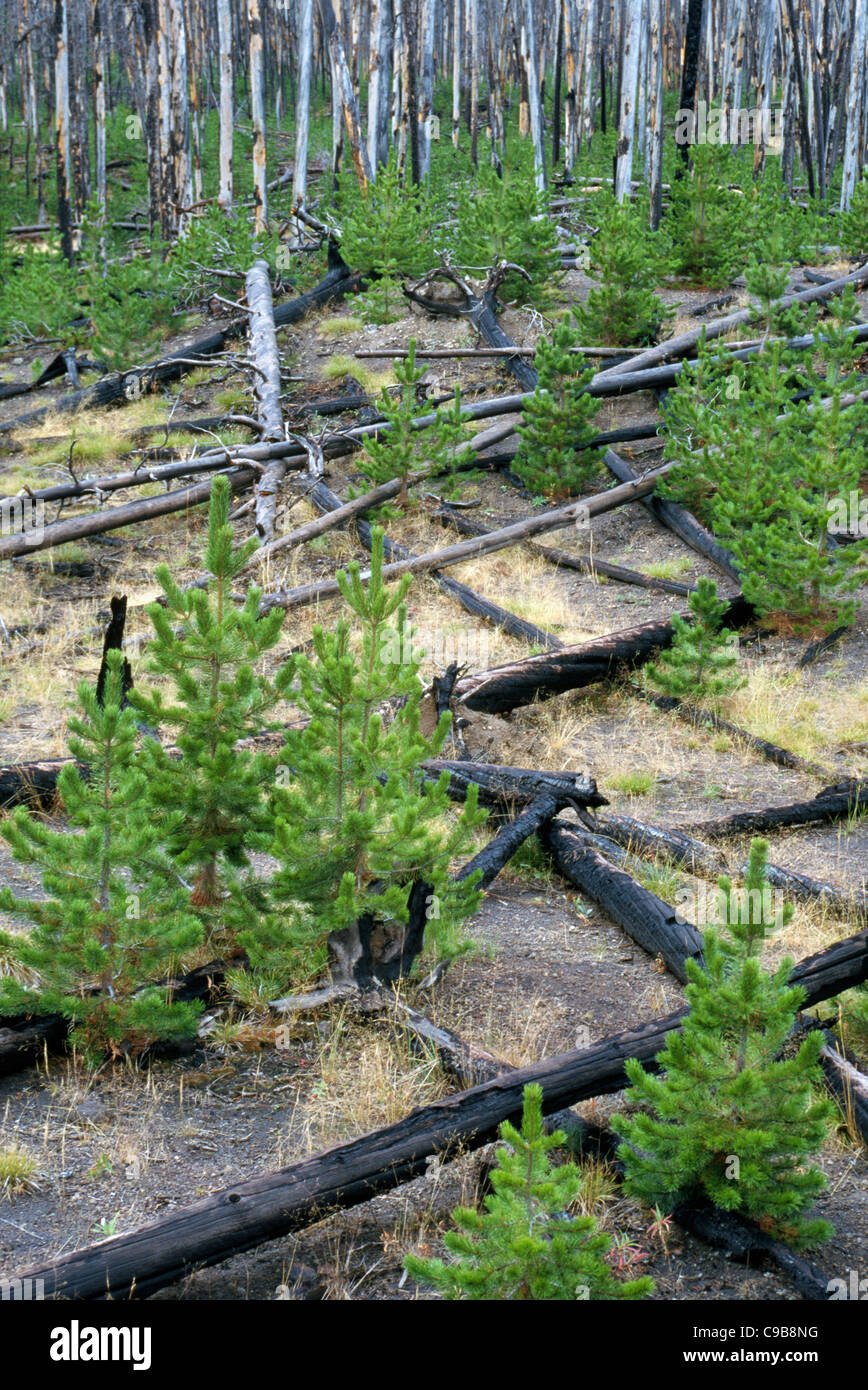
550	971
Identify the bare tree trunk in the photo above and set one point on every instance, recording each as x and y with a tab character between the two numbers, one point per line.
629	83
426	87
99	76
857	103
655	122
529	55
61	127
257	112
343	84
378	141
224	45
457	33
302	114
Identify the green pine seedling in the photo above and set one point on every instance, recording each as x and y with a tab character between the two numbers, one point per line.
705	220
556	420
729	1120
853	224
116	915
629	261
215	794
357	823
405	449
526	1245
700	665
501	216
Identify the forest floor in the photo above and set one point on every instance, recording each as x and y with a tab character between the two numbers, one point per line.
121	1149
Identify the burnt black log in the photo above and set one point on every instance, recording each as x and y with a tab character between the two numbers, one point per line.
503	786
742	1240
273	1204
584	564
323	498
572	668
677	519
829	805
481	311
24	1040
114	641
848	1084
646	919
782	757
509	838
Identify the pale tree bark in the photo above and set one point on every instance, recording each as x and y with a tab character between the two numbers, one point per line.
377	137
457	33
529	54
765	21
61	127
399	94
224	47
572	67
655	110
857	102
302	114
99	75
426	86
343	84
627	112
257	111
182	174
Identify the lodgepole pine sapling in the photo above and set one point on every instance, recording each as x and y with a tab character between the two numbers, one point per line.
731	1120
701	664
526	1245
358	825
405	449
116	915
629	262
553	458
215	794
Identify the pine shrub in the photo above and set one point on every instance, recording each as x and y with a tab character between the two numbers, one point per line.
556	419
357	823
730	1120
117	915
700	665
526	1245
629	261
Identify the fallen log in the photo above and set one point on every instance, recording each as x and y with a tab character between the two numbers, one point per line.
646	919
31	784
830	805
456	554
23	1041
491	859
675	845
266	358
505	787
848	1084
95	523
584	564
677	519
572	668
262	1208
138	381
724	1230
480	311
402	558
680	345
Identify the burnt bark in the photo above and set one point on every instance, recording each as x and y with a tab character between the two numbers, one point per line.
270	1205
